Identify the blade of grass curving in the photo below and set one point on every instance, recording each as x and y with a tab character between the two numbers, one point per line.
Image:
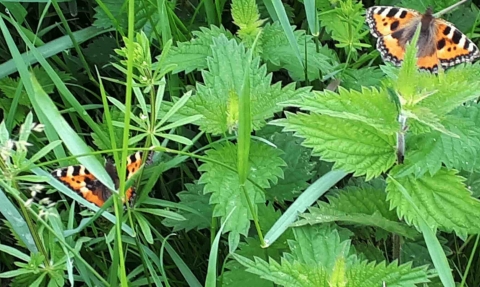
62	88
10	117
51	48
45	109
75	43
211	279
470	259
312	16
11	214
43	104
60	239
434	247
164	21
306	199
287	29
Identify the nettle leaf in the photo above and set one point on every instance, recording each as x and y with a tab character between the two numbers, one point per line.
426	117
442	198
442	95
245	15
237	275
192	55
370	252
9	85
299	169
321	258
472	182
366	205
370	106
353	146
428	152
277	50
265	168
195	199
217	99
356	79
416	251
100	50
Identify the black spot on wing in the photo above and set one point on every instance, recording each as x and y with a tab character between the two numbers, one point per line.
392	12
456	36
394	25
447	30
441	44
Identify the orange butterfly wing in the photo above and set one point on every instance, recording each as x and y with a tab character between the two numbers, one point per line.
79	179
385	21
453	47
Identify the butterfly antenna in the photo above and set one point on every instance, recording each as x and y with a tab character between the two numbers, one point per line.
448	9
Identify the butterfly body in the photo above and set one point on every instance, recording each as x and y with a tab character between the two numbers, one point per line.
79	179
439	43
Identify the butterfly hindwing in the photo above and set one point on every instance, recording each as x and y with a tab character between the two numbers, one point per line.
453	47
79	179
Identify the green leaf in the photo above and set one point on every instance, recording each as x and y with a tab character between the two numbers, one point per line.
299	169
366	206
427	152
194	198
192	55
319	257
223	183
345	24
118	132
9	86
353	146
417	251
100	51
442	199
245	15
370	106
356	79
217	100
276	49
114	14
422	6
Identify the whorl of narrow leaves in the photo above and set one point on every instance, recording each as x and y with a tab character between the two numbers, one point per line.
223	183
443	200
320	258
